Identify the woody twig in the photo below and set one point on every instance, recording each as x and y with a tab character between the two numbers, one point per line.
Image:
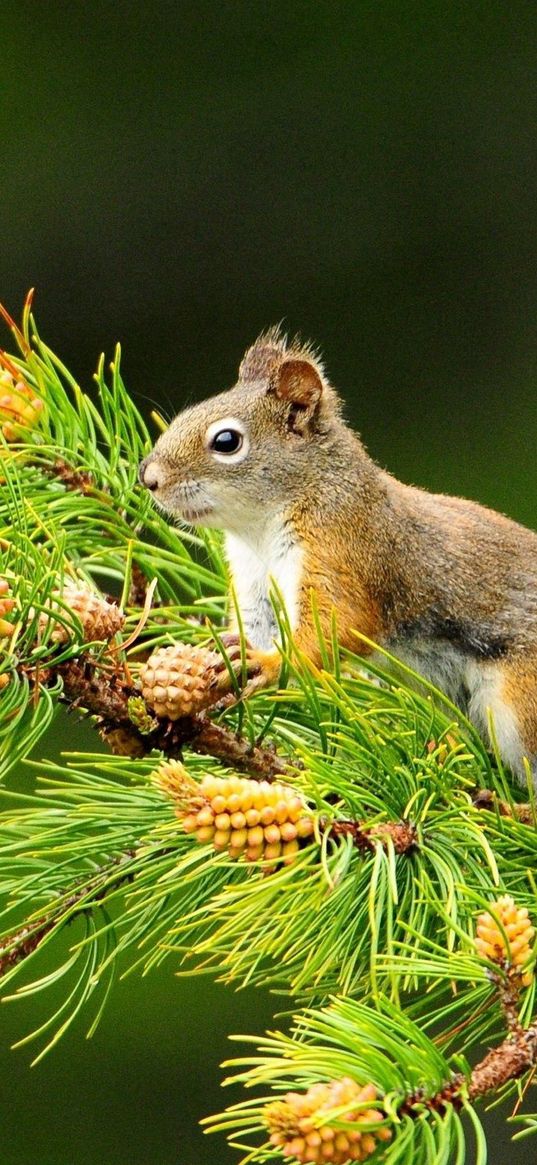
106	695
402	834
24	941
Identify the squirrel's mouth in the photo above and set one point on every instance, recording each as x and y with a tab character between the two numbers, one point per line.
195	515
193	503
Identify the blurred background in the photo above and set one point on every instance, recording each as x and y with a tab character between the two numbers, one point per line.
177	176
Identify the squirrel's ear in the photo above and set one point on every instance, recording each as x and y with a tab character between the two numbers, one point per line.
298	382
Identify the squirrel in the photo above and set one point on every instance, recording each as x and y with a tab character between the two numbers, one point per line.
444	584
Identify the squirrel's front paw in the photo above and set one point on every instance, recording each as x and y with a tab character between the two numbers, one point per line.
259	668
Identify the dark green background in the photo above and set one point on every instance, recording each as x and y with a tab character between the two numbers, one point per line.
178	176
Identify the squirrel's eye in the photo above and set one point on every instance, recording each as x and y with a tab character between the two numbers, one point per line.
226	441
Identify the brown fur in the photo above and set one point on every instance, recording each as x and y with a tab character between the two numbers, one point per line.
519	690
444	583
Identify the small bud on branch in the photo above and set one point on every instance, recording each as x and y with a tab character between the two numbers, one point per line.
402	834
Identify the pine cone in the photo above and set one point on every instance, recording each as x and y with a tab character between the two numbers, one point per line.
123	742
19	407
512	944
252	819
180	680
6	606
298	1125
99	618
6	603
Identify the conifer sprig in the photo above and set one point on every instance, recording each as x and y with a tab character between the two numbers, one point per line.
411	832
420	1095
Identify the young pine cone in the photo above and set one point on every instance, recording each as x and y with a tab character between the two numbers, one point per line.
19	407
99	618
6	603
123	742
298	1124
511	943
252	819
181	680
6	606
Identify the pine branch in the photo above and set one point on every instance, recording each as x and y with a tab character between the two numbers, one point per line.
402	834
355	861
76	479
103	694
525	813
515	1056
509	1061
210	739
106	694
20	945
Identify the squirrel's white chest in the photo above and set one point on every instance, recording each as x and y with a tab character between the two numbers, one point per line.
259	565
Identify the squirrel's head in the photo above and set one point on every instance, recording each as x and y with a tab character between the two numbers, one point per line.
231	459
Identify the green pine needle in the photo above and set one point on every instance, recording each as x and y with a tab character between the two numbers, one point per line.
97	876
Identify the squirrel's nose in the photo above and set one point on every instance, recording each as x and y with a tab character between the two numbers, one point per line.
151	473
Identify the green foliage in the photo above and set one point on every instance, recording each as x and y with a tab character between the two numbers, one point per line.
97	873
382	1047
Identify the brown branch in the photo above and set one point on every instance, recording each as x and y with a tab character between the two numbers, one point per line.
525	812
516	1055
518	1052
216	740
402	833
450	1094
138	587
23	942
101	694
507	1062
79	479
76	479
106	695
508	990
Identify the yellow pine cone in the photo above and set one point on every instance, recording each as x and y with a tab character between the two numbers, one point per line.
180	680
513	944
6	606
99	618
19	407
252	819
6	603
175	780
300	1124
